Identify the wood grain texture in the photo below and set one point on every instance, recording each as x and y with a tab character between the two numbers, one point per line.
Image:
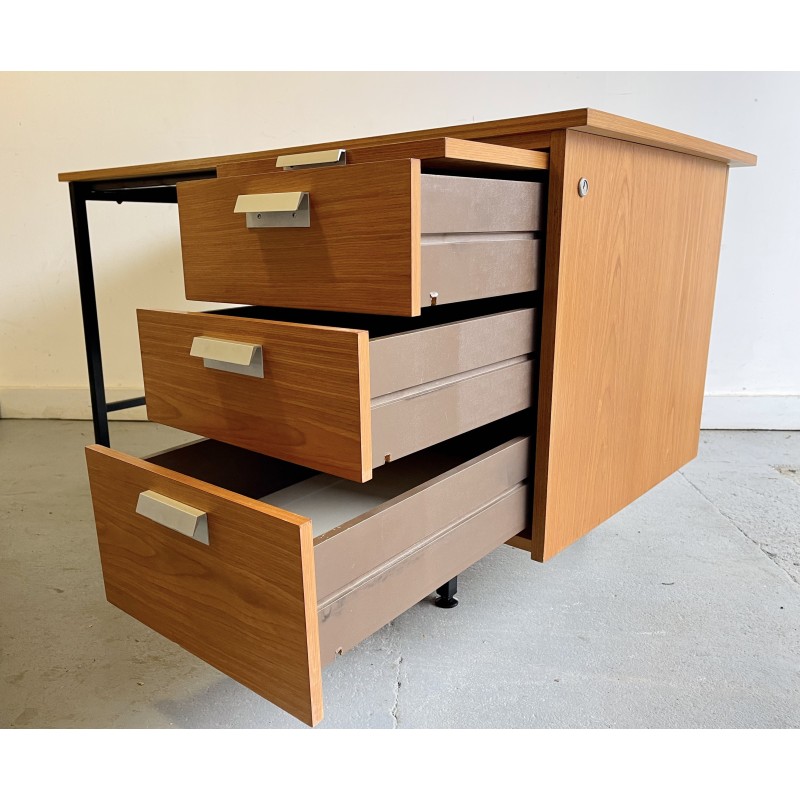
533	140
499	131
629	287
361	253
630	130
441	152
245	603
311	407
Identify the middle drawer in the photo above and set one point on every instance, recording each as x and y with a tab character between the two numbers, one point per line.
342	400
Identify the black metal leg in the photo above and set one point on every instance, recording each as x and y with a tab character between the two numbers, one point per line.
91	328
447	594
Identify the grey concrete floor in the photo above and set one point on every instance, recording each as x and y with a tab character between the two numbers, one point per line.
681	611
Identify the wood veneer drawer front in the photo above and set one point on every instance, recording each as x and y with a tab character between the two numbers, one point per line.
333	398
382	238
255	596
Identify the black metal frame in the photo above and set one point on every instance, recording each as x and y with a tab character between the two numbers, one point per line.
146	189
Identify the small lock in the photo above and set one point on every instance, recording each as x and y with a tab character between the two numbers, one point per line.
583	187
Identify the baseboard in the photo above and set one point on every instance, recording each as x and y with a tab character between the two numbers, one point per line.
720	411
62	402
760	412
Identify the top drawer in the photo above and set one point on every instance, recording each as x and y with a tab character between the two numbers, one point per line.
379	238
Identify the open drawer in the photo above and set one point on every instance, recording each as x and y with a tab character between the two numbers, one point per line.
341	393
267	570
376	237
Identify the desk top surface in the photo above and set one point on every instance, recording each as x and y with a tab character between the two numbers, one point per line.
506	131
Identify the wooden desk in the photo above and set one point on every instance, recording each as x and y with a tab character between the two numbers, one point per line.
620	341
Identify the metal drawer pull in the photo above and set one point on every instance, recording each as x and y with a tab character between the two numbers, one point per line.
320	158
221	354
176	516
276	210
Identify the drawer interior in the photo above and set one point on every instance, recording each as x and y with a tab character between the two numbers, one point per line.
283	484
329	502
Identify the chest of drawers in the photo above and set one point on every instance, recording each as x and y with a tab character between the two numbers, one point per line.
450	340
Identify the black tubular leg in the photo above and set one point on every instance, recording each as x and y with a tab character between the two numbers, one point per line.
447	594
91	328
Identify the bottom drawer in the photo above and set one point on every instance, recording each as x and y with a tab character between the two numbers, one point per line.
268	570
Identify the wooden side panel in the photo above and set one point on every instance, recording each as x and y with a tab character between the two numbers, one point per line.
310	408
245	603
360	253
628	293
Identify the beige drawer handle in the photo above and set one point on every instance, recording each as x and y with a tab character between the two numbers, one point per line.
174	515
238	357
319	158
276	210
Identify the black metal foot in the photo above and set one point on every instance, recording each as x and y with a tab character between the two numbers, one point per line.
447	594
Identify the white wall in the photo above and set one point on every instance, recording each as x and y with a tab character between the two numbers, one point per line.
56	122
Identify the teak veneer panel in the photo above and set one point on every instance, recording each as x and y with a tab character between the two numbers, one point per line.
361	252
442	152
629	285
587	119
246	603
630	130
312	406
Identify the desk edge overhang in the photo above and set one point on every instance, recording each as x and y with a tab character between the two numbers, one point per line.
583	119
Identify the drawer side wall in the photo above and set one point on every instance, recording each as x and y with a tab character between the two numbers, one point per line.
386	594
